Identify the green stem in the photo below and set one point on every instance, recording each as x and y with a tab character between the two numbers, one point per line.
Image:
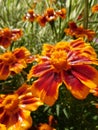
85	21
47	3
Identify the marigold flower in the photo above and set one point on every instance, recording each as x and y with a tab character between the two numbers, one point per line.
68	63
16	34
14	62
49	126
7	36
15	108
41	20
30	16
95	8
45	126
61	13
50	14
23	53
77	32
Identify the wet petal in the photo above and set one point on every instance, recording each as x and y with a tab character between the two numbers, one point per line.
77	89
46	87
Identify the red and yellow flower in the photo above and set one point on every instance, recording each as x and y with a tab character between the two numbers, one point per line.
7	36
50	14
30	15
78	32
49	125
15	109
42	20
68	63
61	13
14	62
95	8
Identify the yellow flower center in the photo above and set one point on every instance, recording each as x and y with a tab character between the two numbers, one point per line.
59	60
11	103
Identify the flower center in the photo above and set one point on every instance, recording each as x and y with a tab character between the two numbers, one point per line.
59	60
11	103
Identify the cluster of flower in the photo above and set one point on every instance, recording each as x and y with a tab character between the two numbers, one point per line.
49	16
65	62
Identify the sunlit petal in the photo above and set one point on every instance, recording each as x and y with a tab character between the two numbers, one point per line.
18	66
15	108
39	69
23	123
78	89
29	102
46	87
2	127
86	74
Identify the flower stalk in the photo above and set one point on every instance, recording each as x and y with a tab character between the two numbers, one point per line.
85	21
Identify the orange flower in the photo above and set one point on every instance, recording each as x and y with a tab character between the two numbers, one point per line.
94	91
7	36
45	126
14	62
30	16
50	14
42	20
15	108
95	8
16	34
77	32
68	63
23	53
61	13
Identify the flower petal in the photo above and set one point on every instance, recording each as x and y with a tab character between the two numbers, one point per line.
2	127
4	73
46	87
24	121
79	57
30	102
18	66
86	74
26	100
77	89
39	69
81	53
